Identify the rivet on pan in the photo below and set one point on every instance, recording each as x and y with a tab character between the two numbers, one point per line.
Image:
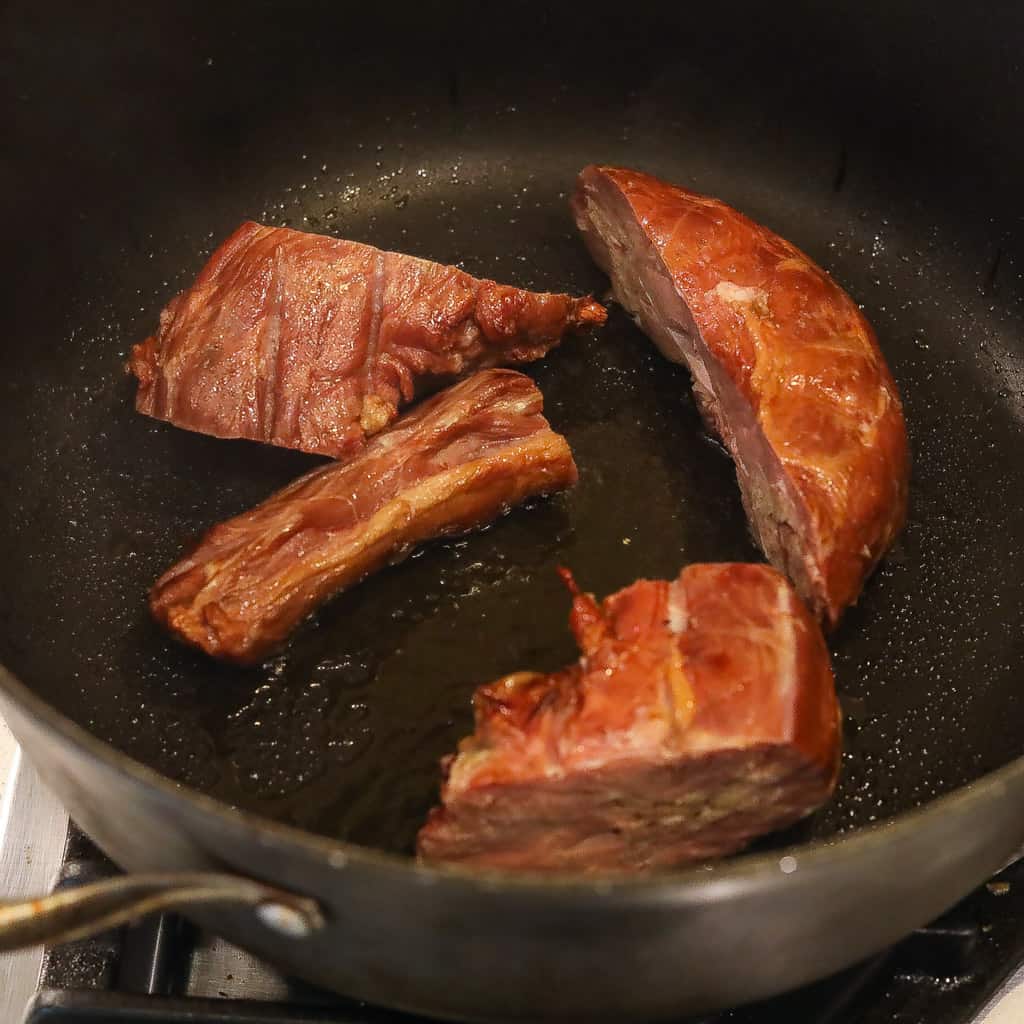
284	919
787	865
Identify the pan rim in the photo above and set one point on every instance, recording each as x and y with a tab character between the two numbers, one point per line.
698	883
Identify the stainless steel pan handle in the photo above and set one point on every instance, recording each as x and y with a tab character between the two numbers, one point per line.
84	910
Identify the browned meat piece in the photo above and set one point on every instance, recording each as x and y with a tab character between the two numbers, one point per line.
457	461
311	342
701	714
787	371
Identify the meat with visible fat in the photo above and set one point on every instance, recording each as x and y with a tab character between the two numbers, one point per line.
786	369
311	342
455	462
701	714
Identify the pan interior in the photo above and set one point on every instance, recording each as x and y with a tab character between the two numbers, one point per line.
342	733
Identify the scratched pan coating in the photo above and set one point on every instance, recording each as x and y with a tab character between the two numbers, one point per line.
341	734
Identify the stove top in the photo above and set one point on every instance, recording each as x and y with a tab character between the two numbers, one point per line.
959	970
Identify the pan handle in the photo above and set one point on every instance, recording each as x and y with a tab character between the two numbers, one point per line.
84	910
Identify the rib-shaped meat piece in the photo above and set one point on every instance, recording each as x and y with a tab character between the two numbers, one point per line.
701	714
311	342
786	370
455	462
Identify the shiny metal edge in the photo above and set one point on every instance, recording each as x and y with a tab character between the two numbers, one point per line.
33	836
1007	1003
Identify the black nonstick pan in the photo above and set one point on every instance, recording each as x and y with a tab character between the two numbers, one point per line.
885	142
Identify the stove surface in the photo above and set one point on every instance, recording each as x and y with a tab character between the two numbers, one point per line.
165	970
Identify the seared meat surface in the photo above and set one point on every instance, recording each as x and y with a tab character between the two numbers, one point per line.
787	371
457	461
311	342
701	714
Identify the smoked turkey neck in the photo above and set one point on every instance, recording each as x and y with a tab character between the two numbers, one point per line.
702	713
457	461
786	370
311	342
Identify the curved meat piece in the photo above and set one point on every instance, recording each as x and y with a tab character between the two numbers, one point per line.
785	367
456	462
701	714
311	342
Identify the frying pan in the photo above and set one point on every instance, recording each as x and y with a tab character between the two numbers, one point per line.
278	805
